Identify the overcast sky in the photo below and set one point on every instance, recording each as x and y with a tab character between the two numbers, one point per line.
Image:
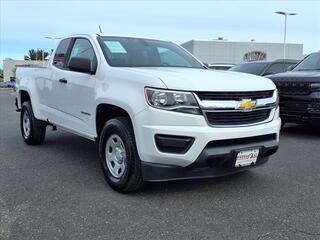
24	24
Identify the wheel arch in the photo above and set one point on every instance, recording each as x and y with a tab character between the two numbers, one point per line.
24	96
105	112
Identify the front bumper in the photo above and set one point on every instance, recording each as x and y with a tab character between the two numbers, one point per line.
212	162
205	157
300	109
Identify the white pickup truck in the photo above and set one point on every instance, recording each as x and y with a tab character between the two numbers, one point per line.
156	112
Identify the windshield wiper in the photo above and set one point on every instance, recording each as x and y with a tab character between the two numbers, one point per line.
315	69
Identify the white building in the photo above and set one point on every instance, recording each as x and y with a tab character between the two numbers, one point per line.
222	51
10	65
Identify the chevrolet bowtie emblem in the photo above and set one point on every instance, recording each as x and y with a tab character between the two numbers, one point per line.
247	104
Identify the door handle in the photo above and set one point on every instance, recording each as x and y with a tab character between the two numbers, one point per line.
63	80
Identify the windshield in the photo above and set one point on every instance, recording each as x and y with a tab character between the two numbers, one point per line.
311	62
253	68
136	52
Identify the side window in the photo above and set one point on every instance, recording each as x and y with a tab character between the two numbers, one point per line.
82	48
276	68
60	56
287	65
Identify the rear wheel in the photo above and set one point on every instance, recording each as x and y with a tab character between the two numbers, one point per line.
33	130
118	155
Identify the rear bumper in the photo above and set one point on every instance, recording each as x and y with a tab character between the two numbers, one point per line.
212	162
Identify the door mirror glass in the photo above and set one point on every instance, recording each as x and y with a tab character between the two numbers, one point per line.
79	64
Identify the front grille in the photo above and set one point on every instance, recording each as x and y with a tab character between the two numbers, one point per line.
237	118
296	88
237	96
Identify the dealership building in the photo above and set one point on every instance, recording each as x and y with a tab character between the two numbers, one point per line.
10	66
230	52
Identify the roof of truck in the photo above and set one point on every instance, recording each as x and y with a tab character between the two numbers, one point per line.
114	35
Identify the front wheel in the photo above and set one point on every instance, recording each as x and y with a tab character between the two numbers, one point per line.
33	130
118	155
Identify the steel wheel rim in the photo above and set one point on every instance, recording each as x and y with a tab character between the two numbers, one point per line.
116	156
26	124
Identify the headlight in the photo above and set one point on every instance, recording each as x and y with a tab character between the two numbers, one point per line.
172	100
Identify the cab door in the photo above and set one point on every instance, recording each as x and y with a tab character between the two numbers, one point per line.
48	88
76	90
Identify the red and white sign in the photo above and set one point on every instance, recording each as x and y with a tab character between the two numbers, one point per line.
247	158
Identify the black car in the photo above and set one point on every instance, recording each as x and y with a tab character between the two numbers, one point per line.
263	68
299	91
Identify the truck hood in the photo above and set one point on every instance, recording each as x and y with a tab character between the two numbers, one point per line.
205	80
297	76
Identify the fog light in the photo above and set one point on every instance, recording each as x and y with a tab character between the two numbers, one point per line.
173	144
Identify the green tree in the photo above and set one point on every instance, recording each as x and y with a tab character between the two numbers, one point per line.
38	54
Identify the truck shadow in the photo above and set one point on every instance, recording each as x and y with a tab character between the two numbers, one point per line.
83	155
226	183
301	130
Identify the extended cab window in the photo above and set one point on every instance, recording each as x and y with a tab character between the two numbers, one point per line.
60	56
82	48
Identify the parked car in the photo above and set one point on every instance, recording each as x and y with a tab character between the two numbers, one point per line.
156	112
299	91
220	66
263	68
8	84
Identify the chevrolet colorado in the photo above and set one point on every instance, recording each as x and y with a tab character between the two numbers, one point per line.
299	91
156	112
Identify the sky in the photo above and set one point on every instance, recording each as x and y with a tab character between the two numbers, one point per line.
25	24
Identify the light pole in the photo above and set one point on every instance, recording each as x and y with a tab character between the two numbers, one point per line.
285	14
53	39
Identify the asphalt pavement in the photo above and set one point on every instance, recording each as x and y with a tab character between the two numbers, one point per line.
57	191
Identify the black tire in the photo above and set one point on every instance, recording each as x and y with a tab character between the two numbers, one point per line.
37	128
131	177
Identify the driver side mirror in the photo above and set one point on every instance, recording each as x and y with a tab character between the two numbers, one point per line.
79	64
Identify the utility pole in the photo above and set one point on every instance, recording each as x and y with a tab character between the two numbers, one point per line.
285	14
